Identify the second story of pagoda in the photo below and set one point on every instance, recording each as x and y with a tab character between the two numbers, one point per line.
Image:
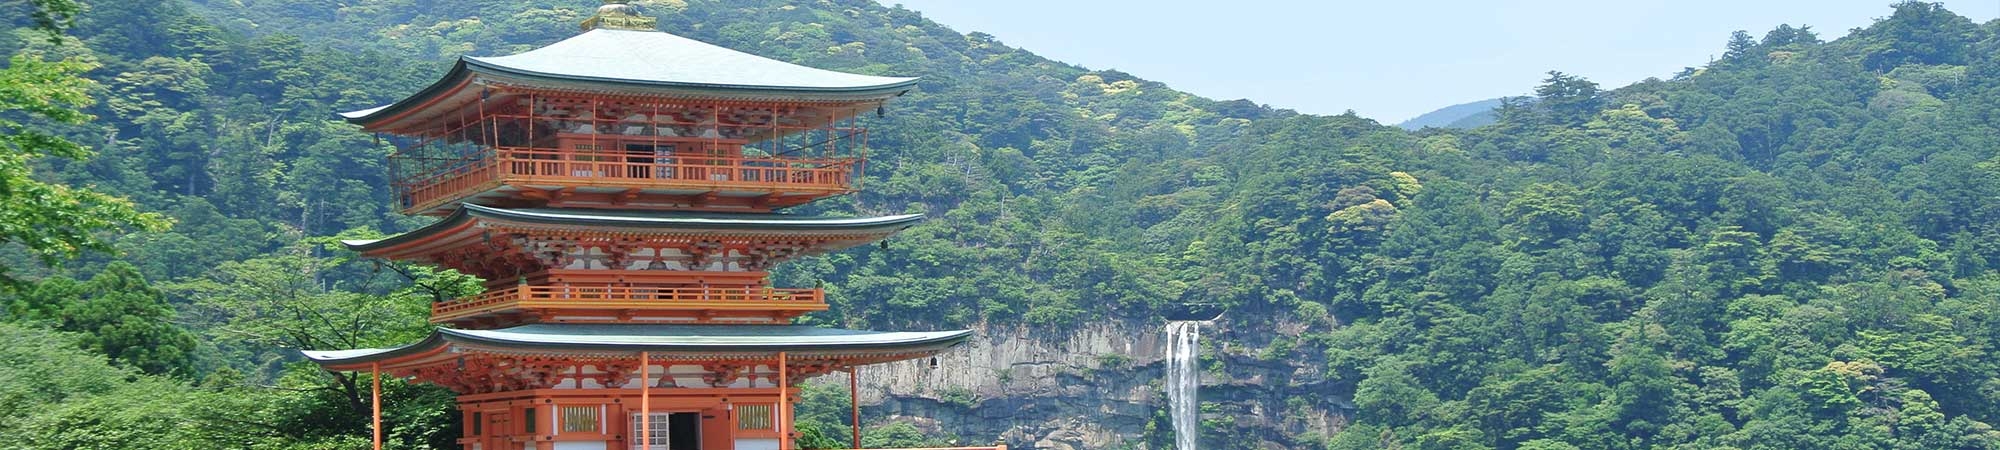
623	117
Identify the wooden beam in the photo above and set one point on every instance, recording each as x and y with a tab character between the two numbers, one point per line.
704	199
626	196
534	193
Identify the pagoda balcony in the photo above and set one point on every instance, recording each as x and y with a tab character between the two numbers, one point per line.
544	176
606	304
592	154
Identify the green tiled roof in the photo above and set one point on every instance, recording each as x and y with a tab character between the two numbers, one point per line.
654	57
653	61
662	220
662	338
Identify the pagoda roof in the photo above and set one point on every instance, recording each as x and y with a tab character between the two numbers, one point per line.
670	340
469	219
643	63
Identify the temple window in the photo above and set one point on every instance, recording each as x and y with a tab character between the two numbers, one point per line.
754	417
582	418
657	434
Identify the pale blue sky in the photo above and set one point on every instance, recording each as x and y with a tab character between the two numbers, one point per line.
1391	60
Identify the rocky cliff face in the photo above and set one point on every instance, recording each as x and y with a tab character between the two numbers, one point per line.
1099	387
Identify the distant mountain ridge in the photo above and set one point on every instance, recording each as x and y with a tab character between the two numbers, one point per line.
1460	116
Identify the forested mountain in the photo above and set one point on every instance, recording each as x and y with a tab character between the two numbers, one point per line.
1463	115
1795	246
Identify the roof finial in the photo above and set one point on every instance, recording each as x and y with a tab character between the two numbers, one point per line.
616	15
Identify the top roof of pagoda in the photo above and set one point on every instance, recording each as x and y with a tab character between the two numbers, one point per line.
637	62
654	57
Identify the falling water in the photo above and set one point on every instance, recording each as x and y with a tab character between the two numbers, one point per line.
1183	379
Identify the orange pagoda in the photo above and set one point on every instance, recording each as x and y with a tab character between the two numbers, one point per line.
617	190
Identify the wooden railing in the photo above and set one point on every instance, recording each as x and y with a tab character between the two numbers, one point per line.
583	168
438	187
620	297
677	170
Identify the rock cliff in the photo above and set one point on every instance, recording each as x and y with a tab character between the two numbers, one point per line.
1098	387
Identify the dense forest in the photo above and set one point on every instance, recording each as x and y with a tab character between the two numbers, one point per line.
1796	245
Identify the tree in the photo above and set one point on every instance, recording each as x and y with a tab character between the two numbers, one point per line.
117	314
51	220
53	16
1785	35
1642	383
1918	32
265	310
1546	212
1569	99
1392	395
1740	45
39	367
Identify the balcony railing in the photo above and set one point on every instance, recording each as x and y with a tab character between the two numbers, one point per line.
698	173
521	298
672	155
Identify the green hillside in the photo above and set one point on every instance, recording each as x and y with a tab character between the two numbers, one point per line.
1795	246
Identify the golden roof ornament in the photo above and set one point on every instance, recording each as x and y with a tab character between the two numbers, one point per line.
617	15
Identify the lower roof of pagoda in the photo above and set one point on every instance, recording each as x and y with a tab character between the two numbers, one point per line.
625	341
473	224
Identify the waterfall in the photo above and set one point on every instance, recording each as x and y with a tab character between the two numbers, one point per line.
1183	380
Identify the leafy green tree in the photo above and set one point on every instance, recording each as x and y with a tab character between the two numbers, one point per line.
53	16
1392	395
1643	385
117	314
1918	32
40	367
1545	213
51	220
1740	45
1569	99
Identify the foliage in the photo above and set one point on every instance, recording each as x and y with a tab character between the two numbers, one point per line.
51	220
1793	246
117	314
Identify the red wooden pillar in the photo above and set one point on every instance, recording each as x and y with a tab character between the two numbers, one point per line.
645	401
375	402
784	405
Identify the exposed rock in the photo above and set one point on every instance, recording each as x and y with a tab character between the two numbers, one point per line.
1099	387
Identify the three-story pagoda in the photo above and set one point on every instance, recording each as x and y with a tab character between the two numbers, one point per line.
617	191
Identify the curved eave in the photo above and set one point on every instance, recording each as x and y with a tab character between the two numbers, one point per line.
444	338
370	355
748	221
664	221
470	67
870	341
893	86
451	80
